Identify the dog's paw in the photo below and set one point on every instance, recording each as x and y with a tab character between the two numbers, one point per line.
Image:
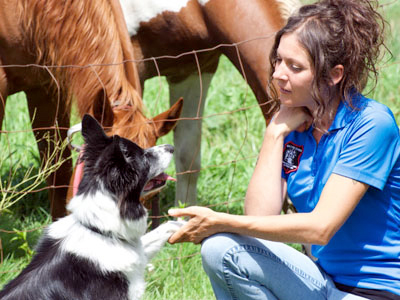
176	224
171	227
155	239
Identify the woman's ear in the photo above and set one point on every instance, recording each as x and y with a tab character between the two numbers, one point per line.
336	74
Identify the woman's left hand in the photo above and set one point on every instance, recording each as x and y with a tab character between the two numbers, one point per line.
288	119
203	223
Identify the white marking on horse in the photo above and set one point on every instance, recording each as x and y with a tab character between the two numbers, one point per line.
203	2
288	7
136	11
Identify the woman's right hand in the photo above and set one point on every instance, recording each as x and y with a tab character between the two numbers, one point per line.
289	119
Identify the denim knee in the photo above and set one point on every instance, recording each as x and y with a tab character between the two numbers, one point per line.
242	267
214	249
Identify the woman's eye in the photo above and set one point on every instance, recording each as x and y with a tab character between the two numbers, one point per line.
296	68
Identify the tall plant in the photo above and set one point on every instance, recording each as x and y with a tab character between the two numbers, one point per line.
15	187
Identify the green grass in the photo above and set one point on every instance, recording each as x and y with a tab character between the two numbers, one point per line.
229	149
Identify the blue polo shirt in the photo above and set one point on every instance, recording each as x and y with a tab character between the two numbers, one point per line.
362	144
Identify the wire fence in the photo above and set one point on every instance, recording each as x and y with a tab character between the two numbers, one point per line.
50	69
15	191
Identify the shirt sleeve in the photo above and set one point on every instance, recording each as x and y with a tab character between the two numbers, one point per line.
370	151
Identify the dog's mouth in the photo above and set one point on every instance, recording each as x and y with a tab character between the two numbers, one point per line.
153	187
157	182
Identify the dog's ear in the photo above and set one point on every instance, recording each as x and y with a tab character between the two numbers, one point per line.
118	155
92	131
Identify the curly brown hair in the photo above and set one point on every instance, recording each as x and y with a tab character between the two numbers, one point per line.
333	32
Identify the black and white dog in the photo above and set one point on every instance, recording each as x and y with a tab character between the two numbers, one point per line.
100	250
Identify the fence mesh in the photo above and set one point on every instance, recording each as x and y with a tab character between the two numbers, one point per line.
21	163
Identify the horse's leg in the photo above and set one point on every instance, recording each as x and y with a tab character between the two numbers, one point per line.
46	110
187	134
3	94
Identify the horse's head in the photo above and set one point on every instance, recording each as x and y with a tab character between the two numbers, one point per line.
128	121
144	132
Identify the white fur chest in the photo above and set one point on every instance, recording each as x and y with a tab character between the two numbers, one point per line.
96	232
109	255
122	254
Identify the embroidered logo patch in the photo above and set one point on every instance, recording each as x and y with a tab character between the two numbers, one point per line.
291	157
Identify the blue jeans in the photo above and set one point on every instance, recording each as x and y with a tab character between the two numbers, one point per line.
241	267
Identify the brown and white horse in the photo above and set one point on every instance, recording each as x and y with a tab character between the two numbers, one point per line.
55	51
170	28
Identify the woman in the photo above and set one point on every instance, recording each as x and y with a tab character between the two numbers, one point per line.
336	155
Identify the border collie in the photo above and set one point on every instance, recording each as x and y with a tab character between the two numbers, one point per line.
100	250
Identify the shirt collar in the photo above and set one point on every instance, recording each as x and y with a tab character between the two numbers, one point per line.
345	114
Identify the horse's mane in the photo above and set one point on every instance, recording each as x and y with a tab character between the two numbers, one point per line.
287	7
81	37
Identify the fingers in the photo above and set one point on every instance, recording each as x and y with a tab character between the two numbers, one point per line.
304	126
180	236
177	237
288	119
196	229
185	234
177	212
190	211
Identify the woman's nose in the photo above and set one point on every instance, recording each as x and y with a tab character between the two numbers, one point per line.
279	72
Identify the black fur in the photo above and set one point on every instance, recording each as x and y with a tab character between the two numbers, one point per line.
63	276
105	162
118	168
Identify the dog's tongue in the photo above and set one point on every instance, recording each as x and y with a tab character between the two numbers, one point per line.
157	181
164	177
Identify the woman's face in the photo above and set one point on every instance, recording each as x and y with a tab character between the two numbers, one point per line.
293	73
